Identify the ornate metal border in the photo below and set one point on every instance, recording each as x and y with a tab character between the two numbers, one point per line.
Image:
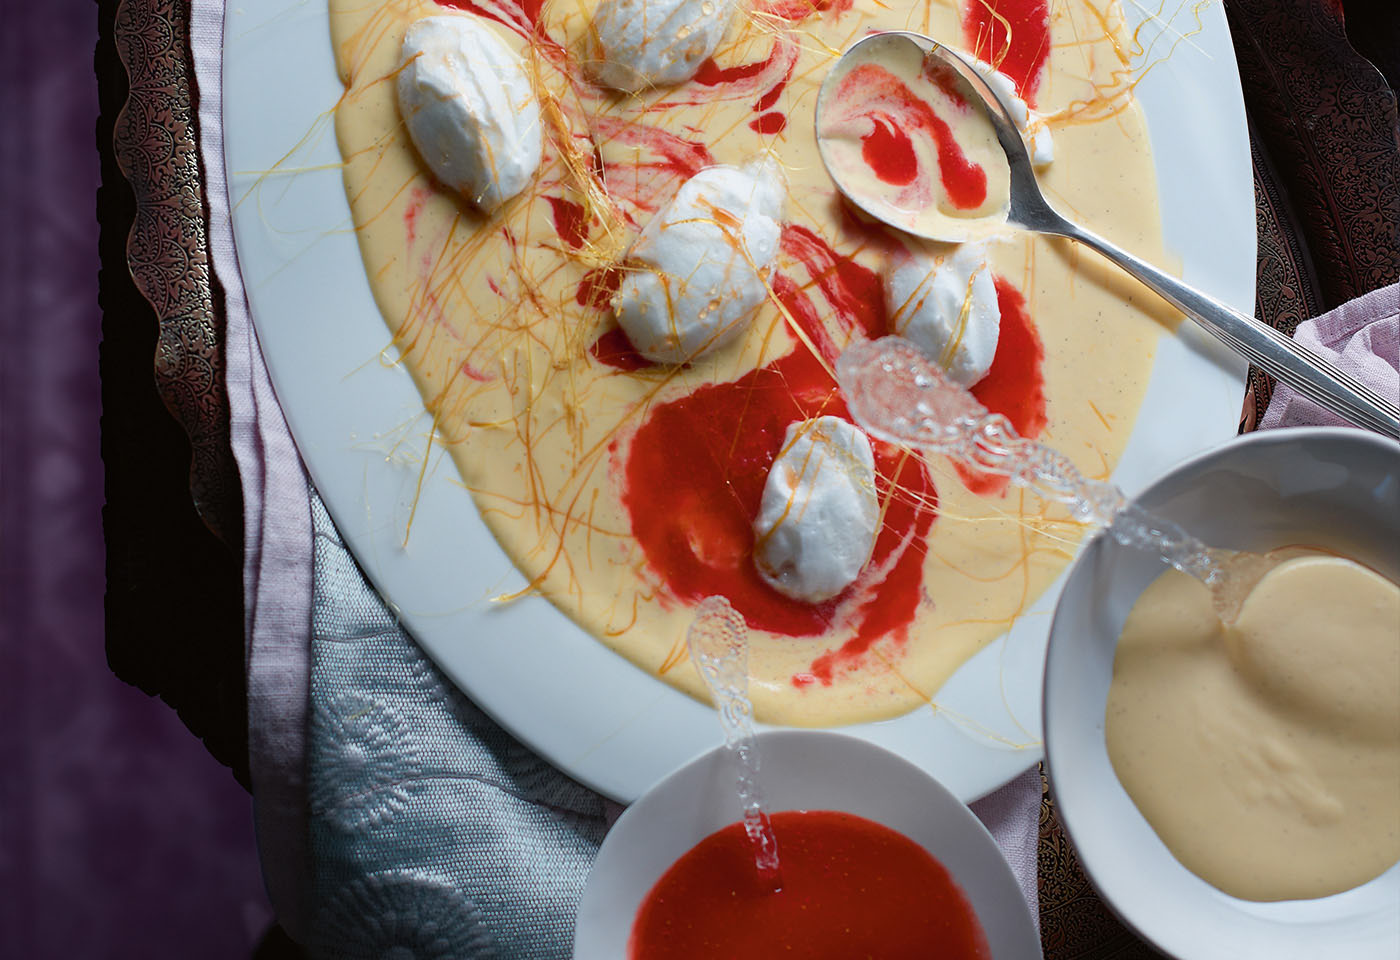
157	148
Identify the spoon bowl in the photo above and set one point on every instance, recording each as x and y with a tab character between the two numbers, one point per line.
878	47
1312	376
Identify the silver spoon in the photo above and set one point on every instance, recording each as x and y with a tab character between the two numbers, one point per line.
1262	345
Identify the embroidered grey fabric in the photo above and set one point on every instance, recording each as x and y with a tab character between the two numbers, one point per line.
432	829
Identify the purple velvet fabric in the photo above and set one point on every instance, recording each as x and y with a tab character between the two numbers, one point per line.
120	836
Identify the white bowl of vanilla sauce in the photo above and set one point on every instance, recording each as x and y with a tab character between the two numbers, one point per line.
1337	490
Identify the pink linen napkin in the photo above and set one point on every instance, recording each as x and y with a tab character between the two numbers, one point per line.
277	568
1362	337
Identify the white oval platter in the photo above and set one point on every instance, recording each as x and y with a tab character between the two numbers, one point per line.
586	709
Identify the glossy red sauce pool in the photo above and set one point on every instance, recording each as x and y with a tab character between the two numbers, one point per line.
852	889
696	525
888	151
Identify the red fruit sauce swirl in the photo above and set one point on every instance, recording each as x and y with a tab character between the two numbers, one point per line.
797	10
570	223
897	115
694	471
1014	385
522	16
764	80
985	27
851	888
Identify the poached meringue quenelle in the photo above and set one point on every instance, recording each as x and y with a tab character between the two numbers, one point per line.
469	108
696	271
948	307
819	514
635	44
1032	126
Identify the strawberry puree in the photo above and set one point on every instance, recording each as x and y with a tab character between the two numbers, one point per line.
411	213
798	10
898	114
769	123
763	79
665	163
1015	384
851	888
853	292
615	350
569	221
888	151
522	17
695	524
985	25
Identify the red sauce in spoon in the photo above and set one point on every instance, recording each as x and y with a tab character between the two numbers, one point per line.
852	888
889	152
895	112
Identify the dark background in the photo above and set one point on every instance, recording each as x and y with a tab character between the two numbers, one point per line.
120	835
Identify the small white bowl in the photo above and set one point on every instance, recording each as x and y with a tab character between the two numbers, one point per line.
801	770
1334	488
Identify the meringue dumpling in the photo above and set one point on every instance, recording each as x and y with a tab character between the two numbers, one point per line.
695	274
947	306
637	44
469	108
819	515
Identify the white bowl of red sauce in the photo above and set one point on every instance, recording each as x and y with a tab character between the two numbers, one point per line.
1334	490
877	859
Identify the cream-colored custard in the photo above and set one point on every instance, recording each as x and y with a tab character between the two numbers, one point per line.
1266	755
486	315
903	134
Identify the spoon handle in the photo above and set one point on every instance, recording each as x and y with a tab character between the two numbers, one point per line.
1277	355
